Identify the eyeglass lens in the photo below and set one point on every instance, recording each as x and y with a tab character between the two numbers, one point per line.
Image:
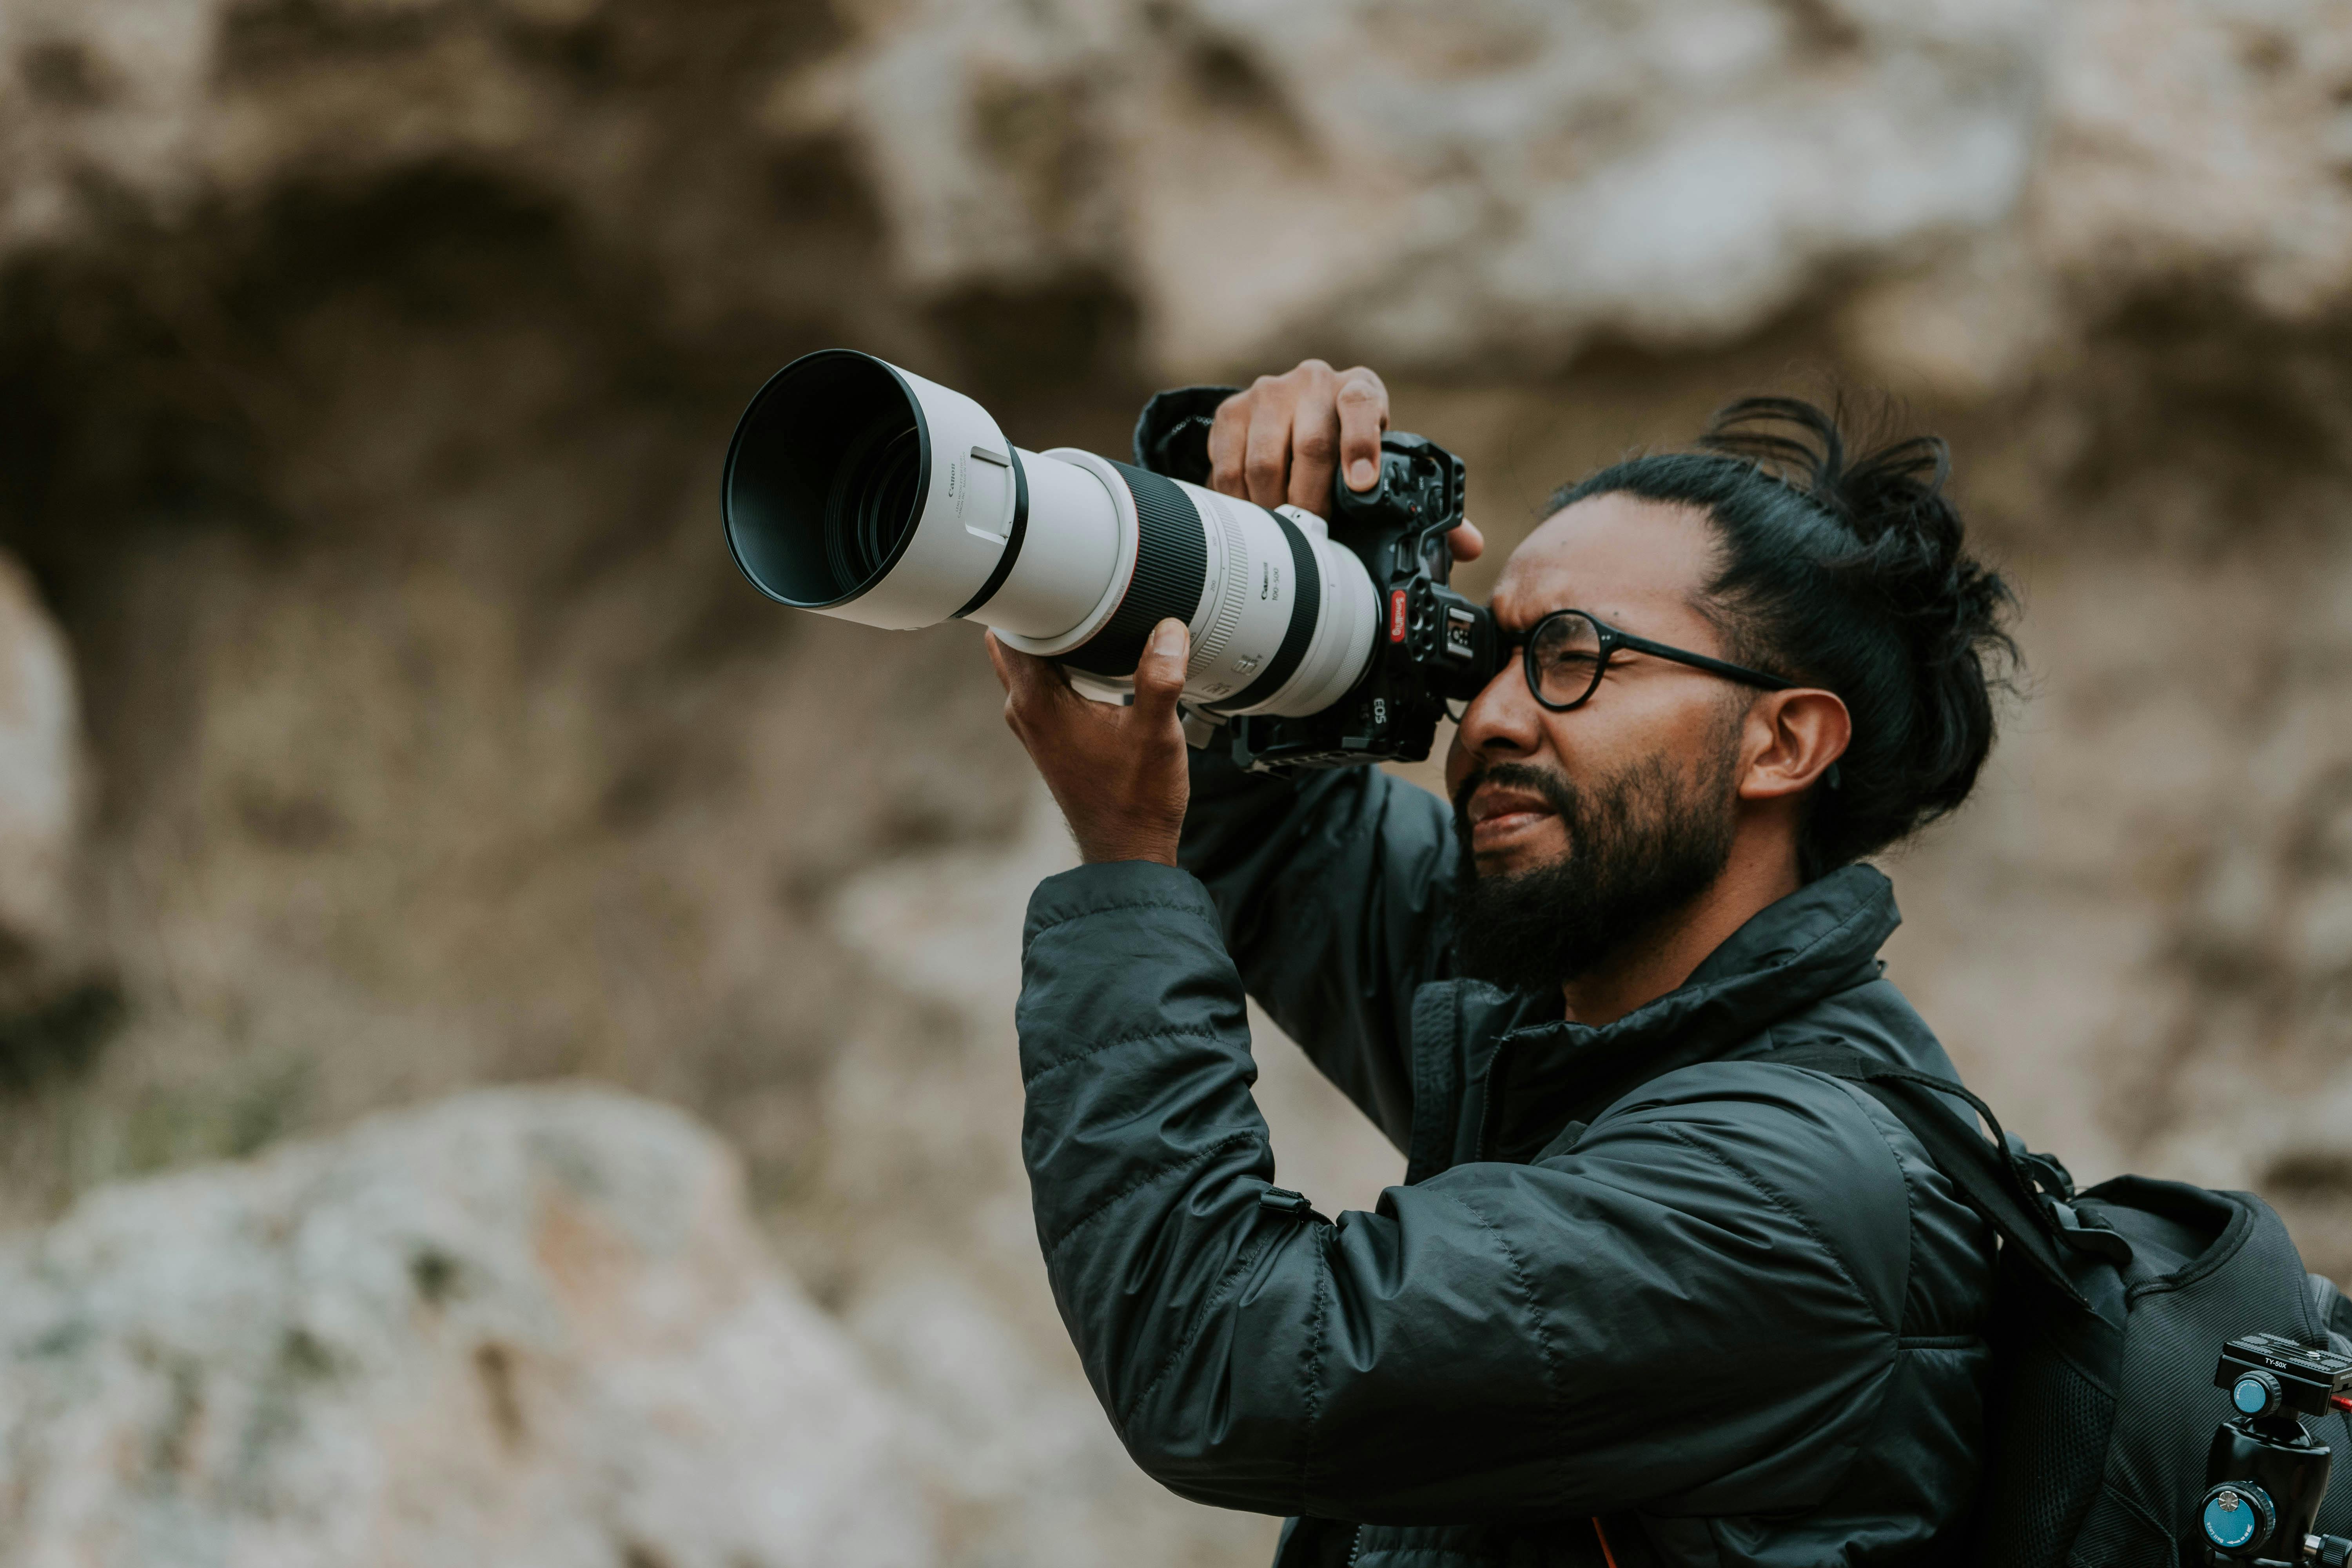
1564	659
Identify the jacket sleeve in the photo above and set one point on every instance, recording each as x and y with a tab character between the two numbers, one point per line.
1334	894
1694	1310
1334	889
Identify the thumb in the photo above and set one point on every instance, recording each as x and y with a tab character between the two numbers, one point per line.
1159	677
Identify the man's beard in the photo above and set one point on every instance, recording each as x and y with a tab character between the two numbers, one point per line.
1641	846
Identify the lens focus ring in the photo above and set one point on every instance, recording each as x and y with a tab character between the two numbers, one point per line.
1219	634
1172	567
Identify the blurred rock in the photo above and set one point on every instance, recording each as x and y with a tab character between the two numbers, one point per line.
2179	148
524	1327
1435	186
40	738
1439	186
2188	139
1487	188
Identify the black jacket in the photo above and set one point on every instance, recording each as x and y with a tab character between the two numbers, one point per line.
1640	1271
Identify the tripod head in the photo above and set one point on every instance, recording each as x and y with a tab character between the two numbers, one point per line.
2264	1474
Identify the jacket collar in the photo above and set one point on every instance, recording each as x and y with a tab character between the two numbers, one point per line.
1820	940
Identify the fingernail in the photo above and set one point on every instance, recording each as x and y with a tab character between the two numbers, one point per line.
1169	639
1359	474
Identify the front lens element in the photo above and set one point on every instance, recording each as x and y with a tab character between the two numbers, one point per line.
825	479
872	502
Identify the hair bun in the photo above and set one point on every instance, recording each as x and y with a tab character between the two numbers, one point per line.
1911	538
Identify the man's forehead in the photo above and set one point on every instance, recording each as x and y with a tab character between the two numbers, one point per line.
1609	552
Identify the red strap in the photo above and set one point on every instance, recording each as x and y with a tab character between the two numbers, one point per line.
1606	1556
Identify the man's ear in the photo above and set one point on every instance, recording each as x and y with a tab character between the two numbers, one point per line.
1796	737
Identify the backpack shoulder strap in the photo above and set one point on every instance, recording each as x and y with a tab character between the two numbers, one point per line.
1985	1173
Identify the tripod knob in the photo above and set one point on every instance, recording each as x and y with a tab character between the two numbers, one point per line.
2236	1517
2256	1394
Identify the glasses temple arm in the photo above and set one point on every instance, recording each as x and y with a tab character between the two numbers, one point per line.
1730	671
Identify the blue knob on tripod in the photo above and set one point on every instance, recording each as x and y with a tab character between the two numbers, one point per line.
2235	1516
2256	1394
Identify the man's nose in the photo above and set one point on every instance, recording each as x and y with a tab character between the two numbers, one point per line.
1503	719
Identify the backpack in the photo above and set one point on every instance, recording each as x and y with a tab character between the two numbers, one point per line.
2110	1310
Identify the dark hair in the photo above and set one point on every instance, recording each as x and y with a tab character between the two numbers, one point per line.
1850	576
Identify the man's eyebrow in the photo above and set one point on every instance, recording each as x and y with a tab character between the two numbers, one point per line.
1503	622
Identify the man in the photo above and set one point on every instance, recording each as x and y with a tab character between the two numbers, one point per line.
1646	1295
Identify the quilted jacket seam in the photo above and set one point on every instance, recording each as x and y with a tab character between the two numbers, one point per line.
1174	1358
1910	1201
1157	1174
1142	1036
1526	1285
1764	1190
1072	917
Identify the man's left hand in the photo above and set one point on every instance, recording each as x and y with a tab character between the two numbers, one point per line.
1119	774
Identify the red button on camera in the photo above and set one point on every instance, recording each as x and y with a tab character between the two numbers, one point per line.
1396	615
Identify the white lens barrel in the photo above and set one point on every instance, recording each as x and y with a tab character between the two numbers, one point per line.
860	491
866	492
1268	570
963	522
1342	644
1080	552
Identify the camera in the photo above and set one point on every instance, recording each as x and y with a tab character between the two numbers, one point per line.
857	489
2266	1475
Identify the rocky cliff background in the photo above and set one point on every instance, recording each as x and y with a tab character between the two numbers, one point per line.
380	717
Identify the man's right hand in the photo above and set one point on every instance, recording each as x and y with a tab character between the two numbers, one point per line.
1281	440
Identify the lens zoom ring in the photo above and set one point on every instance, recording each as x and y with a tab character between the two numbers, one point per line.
1171	566
1231	596
1306	612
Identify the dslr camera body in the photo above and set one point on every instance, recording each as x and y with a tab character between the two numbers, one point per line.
1432	645
856	489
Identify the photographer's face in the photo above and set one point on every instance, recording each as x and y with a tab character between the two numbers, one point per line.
1583	828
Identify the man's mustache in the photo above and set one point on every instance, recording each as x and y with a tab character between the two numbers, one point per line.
1557	791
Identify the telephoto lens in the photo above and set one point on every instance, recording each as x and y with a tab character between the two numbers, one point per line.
857	489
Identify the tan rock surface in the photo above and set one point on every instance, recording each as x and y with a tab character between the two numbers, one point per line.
40	777
1443	187
528	1326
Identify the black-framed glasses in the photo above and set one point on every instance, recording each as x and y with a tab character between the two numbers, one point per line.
1568	651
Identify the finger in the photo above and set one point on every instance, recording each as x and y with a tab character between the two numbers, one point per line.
1314	449
1029	681
1160	675
998	655
1363	409
1228	440
1467	542
1265	466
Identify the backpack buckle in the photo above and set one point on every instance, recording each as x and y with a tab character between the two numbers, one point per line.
2048	1173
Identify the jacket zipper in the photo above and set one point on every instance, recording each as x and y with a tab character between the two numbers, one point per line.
1355	1546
